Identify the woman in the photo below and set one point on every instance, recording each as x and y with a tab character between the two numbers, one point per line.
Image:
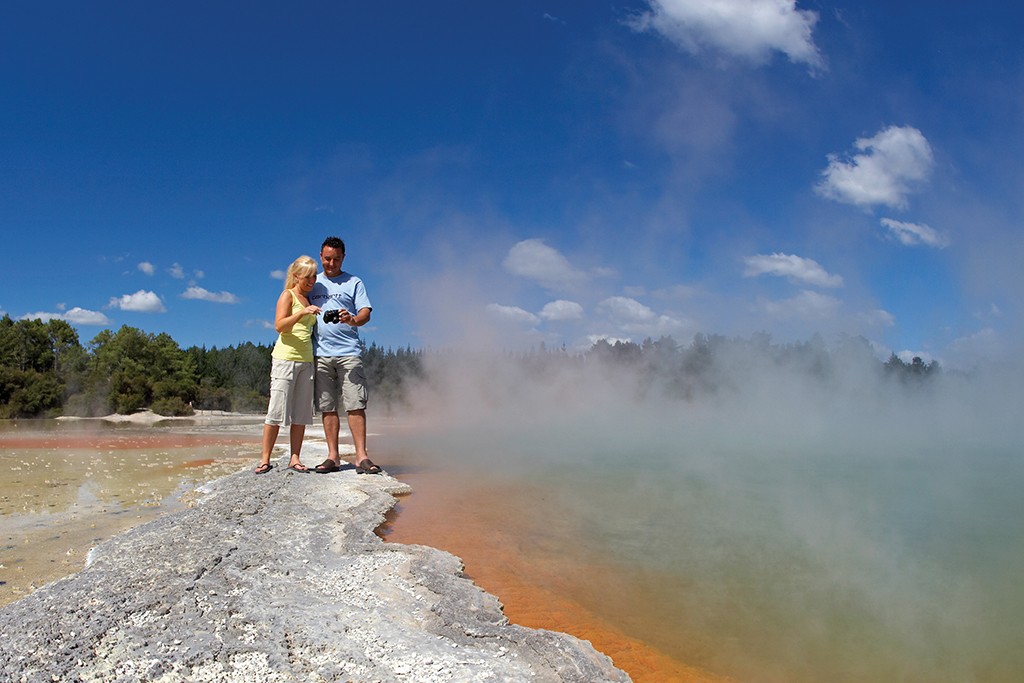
291	371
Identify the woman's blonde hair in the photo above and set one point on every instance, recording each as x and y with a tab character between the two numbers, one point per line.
301	267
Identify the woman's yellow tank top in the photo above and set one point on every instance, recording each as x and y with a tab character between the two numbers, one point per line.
297	344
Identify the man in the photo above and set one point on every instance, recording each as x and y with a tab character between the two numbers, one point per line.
344	308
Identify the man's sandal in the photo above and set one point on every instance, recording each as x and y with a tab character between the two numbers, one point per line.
367	466
326	467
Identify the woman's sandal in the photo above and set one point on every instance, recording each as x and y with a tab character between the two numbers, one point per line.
263	468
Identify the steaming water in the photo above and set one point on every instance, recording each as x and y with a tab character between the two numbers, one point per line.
821	566
763	541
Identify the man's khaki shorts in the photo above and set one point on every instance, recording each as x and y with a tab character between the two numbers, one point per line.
340	376
291	393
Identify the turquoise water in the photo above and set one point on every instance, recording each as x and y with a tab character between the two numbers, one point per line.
833	568
783	541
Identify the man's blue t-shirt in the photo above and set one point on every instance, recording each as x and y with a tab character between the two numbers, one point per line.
346	292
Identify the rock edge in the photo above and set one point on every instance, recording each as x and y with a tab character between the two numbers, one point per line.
279	578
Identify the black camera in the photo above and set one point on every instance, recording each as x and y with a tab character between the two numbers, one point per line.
332	316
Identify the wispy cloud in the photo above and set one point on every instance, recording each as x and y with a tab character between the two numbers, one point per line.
142	301
75	316
277	274
534	260
749	29
512	314
82	316
261	323
993	312
44	316
637	320
147	267
176	271
561	310
885	169
985	342
913	234
806	305
795	268
878	318
627	310
206	295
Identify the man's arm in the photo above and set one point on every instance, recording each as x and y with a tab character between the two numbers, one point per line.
357	320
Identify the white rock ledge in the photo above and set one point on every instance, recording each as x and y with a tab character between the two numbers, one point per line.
279	578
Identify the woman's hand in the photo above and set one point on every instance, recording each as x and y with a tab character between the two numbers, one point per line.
310	310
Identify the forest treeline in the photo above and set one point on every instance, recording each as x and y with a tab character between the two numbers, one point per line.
45	371
713	364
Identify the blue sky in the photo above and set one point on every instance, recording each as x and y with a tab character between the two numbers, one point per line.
522	172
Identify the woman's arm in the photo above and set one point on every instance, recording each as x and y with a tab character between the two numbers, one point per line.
284	319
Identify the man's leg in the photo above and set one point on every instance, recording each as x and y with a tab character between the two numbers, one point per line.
357	425
332	427
326	389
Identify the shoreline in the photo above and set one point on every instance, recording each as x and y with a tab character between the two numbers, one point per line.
533	605
46	556
253	594
148	417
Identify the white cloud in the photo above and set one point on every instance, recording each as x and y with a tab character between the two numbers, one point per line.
81	316
912	234
749	29
141	301
626	310
640	321
594	338
790	266
883	172
277	274
45	317
512	314
176	271
806	304
147	267
908	356
76	316
562	310
535	260
205	295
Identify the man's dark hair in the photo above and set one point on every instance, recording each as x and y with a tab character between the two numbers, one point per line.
334	243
